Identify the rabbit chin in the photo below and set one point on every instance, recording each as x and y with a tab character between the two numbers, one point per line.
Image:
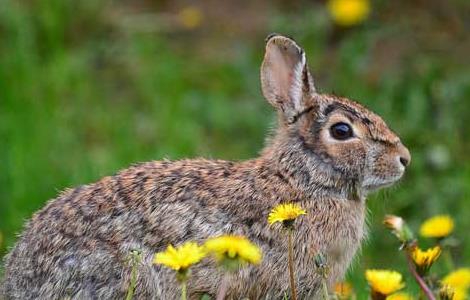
371	184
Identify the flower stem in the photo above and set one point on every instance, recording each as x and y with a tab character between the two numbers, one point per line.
291	265
325	289
377	296
422	284
223	287
135	260
183	290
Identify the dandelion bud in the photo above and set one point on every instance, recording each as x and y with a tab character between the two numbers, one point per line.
320	261
399	228
394	222
321	265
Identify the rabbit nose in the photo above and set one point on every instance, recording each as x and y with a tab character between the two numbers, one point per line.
404	155
404	161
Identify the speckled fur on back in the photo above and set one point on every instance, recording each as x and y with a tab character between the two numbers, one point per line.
78	245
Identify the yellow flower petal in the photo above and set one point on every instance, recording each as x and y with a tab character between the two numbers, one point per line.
384	282
400	296
437	227
424	259
234	247
460	294
180	258
453	293
285	212
459	278
348	12
343	290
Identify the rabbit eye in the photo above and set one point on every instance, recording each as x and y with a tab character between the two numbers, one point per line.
341	131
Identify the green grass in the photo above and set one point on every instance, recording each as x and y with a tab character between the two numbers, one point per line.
83	95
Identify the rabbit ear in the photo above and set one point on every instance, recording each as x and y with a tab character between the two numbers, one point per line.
285	79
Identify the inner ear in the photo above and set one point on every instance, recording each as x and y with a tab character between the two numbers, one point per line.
286	81
285	63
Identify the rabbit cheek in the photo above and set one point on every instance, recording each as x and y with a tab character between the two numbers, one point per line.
350	156
384	169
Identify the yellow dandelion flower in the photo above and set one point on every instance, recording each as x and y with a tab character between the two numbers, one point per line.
180	258
400	296
343	290
285	213
437	227
460	294
190	17
348	12
385	282
424	259
234	247
448	292
459	278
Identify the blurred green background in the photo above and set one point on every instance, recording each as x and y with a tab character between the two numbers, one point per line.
89	87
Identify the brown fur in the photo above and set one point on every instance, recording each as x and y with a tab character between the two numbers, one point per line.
78	245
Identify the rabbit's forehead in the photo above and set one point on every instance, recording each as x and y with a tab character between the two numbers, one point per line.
370	122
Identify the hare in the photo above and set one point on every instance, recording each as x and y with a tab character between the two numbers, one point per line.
327	154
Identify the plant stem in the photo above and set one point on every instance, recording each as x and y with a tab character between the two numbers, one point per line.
183	290
134	261
423	286
377	296
325	289
291	265
223	287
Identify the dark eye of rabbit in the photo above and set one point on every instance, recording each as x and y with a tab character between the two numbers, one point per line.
341	131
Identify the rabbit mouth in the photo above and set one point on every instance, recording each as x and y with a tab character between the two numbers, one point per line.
374	187
380	183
